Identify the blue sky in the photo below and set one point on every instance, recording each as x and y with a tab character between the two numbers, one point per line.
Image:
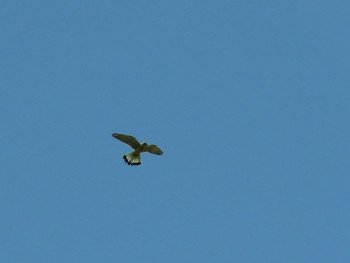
249	100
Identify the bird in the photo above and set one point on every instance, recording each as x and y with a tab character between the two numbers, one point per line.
134	157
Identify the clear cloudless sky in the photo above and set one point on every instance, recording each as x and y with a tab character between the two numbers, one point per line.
249	100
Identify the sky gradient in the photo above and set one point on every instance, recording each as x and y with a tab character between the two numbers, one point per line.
249	101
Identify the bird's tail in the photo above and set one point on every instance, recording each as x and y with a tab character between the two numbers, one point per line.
132	158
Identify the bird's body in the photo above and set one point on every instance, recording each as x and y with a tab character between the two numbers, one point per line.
141	148
134	157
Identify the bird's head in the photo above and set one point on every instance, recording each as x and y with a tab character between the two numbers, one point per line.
144	144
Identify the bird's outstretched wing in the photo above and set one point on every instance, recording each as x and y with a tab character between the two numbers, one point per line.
153	149
128	139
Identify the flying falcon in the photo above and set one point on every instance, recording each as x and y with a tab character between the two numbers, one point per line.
134	158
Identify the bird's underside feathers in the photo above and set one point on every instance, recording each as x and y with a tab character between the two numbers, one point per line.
134	157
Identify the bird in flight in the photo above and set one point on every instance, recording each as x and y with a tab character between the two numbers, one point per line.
134	158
